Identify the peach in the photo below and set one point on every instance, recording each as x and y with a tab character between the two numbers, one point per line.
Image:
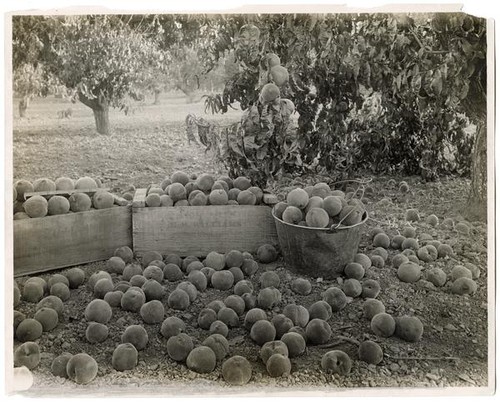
267	253
172	272
268	297
278	365
269	279
297	198
282	324
152	312
460	271
113	298
295	343
47	317
96	332
363	260
59	364
153	290
463	285
179	347
219	327
352	288
372	307
301	286
237	370
318	331
409	272
409	328
382	240
236	303
354	270
262	331
436	276
206	317
190	289
201	360
82	368
198	279
397	241
252	316
383	325
136	335
320	310
297	313
279	208
234	258
125	357
172	326
292	215
237	274
99	311
101	288
178	300
218	344
335	297
370	289
229	317
370	352
27	354
124	253
249	267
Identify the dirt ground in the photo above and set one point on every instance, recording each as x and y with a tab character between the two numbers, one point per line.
452	353
141	149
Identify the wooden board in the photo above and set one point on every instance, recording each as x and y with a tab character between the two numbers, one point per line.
198	230
139	198
47	243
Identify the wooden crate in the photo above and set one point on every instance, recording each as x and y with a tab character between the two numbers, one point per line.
47	243
198	230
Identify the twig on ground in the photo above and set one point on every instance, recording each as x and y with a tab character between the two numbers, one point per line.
344	327
422	358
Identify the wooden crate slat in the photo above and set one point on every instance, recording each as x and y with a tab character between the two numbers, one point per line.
120	201
139	198
42	244
198	230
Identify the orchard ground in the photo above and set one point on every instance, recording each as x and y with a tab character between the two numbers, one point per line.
146	146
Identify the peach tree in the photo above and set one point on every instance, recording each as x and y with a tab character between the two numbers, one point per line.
31	77
103	59
384	92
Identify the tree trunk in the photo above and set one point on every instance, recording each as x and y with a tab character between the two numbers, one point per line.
190	93
476	206
100	107
101	116
23	106
157	97
190	97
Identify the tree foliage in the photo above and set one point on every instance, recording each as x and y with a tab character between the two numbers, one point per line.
383	92
104	59
32	80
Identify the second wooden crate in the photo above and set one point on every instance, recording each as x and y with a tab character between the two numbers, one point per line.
198	230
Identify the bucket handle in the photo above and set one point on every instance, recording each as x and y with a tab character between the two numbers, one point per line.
333	228
336	226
